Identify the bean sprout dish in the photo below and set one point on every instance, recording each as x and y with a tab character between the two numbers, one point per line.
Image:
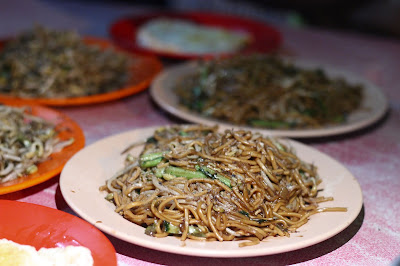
25	141
44	63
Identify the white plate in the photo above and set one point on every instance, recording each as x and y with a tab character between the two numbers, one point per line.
373	107
89	168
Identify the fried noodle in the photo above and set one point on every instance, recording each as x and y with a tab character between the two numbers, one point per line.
198	183
267	91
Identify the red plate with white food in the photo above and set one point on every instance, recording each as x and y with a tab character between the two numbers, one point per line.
262	37
52	228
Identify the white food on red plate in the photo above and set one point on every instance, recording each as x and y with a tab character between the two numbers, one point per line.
181	36
14	254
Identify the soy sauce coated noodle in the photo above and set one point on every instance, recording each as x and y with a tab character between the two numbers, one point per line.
197	183
266	91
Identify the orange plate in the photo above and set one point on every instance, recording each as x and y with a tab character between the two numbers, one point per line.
53	166
142	71
50	228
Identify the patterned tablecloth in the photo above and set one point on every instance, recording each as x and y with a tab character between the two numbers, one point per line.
371	154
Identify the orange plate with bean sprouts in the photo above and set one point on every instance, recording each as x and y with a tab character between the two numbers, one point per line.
67	129
141	73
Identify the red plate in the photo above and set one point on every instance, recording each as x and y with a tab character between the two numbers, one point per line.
264	38
142	71
39	226
53	166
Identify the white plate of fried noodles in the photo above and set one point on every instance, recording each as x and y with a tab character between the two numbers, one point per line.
373	103
89	169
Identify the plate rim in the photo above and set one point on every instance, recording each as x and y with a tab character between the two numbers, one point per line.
133	21
150	243
157	89
32	180
127	90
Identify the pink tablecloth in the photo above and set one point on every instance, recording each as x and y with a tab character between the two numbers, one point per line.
371	154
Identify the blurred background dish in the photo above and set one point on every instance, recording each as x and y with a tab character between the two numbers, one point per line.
266	91
262	37
67	129
51	67
373	104
51	228
174	35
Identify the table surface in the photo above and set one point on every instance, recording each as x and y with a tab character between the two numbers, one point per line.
371	154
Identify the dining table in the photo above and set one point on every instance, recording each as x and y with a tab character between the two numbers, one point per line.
370	153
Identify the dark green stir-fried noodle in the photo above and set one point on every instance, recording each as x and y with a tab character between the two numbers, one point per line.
25	141
44	63
267	92
197	183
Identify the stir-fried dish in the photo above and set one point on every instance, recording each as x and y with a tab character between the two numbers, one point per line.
25	141
267	92
198	183
44	63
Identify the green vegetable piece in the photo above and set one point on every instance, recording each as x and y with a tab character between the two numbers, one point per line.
224	180
197	91
202	172
183	133
310	112
197	105
180	172
269	123
109	196
339	119
150	163
159	172
302	173
151	156
151	140
196	231
150	230
213	175
171	229
168	177
151	159
244	213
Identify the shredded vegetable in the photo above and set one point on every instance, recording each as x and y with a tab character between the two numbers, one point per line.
25	141
44	63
